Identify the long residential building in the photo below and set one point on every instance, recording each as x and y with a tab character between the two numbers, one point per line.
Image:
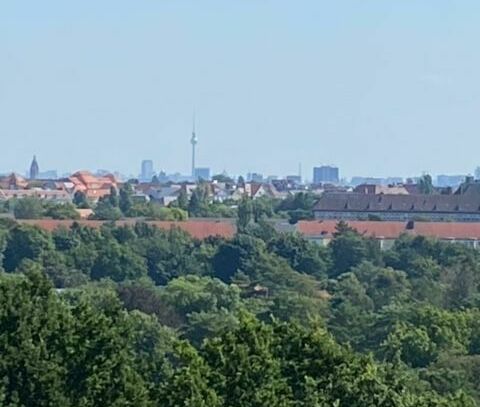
322	232
359	206
57	196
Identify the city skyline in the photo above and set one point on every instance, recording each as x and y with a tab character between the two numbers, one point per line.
147	169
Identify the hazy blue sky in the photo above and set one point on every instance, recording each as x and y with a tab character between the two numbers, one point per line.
377	87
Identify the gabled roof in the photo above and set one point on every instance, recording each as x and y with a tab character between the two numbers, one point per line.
87	178
13	179
398	203
469	189
254	188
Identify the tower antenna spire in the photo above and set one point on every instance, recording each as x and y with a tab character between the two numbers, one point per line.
193	142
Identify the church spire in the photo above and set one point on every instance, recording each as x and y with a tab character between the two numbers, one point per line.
34	169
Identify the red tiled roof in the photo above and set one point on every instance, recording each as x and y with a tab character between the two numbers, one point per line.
389	230
200	229
91	181
448	230
86	177
197	229
392	230
255	188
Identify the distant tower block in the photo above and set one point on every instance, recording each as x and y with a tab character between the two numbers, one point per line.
193	141
34	169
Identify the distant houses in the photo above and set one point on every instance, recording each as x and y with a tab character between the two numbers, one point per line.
365	202
63	190
95	187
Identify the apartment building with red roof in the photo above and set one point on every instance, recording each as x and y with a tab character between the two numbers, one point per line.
92	186
322	231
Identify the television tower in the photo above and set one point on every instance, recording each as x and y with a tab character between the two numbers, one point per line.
193	141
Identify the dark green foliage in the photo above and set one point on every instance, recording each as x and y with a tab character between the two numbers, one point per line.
199	199
247	373
169	254
425	185
285	365
34	208
28	208
383	285
80	200
118	263
53	354
25	242
3	244
352	311
61	211
106	211
155	211
231	256
145	297
349	249
201	204
125	199
190	385
262	208
298	207
262	315
302	255
245	212
207	305
4	207
182	200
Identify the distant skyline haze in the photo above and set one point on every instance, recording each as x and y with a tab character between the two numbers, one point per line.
376	88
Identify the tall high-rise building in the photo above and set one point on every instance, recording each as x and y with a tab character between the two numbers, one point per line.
202	174
477	173
326	174
255	177
450	180
147	171
193	141
34	169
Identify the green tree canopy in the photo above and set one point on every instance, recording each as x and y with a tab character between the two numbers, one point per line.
28	208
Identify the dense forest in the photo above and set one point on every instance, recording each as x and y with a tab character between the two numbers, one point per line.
138	316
